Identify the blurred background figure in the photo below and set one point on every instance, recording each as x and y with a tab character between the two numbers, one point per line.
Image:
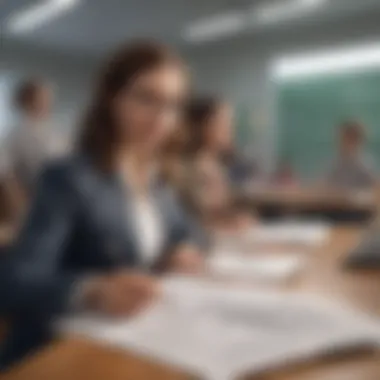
241	170
173	158
285	175
30	144
353	168
205	181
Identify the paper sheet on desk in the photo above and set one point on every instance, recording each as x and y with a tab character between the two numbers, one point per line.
259	266
218	333
310	234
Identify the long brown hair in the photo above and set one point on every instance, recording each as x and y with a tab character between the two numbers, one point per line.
198	113
99	130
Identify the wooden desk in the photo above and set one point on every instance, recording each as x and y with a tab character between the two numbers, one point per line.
74	359
337	205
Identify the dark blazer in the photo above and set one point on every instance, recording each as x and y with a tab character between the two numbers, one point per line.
78	225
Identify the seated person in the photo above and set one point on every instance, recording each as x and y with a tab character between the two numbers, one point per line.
206	183
101	221
285	175
241	170
352	169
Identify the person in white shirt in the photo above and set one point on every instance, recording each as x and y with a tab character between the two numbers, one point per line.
30	143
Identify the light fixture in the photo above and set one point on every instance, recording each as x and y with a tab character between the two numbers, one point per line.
234	21
216	26
328	62
34	16
271	13
313	2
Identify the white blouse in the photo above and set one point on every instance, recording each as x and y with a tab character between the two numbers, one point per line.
149	228
149	236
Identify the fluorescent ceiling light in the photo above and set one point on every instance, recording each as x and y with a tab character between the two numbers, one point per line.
215	27
235	21
313	2
284	10
36	15
348	60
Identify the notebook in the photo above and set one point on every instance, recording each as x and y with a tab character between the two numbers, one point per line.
216	332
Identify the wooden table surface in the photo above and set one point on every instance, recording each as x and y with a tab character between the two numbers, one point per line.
313	198
75	359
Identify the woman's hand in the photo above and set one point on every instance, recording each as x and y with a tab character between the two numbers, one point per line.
122	294
187	260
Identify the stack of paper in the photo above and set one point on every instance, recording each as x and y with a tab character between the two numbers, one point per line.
220	333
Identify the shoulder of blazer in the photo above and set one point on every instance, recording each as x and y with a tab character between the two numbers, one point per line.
79	178
62	171
67	176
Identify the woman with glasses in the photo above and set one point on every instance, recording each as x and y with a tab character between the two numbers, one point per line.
103	221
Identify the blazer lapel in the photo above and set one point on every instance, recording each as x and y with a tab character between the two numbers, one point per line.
163	207
123	247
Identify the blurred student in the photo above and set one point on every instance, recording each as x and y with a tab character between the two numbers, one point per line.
102	221
285	175
352	168
173	158
241	170
209	191
30	144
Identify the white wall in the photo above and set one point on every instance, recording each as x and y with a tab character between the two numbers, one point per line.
240	68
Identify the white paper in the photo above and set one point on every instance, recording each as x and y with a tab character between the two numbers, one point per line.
259	266
310	234
219	333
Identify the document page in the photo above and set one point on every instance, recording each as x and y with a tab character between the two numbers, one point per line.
260	266
219	333
293	232
308	234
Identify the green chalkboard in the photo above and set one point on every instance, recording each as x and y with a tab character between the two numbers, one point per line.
310	109
243	125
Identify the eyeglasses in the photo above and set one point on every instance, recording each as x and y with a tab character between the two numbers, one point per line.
156	102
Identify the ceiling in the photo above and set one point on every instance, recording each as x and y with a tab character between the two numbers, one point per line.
95	26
